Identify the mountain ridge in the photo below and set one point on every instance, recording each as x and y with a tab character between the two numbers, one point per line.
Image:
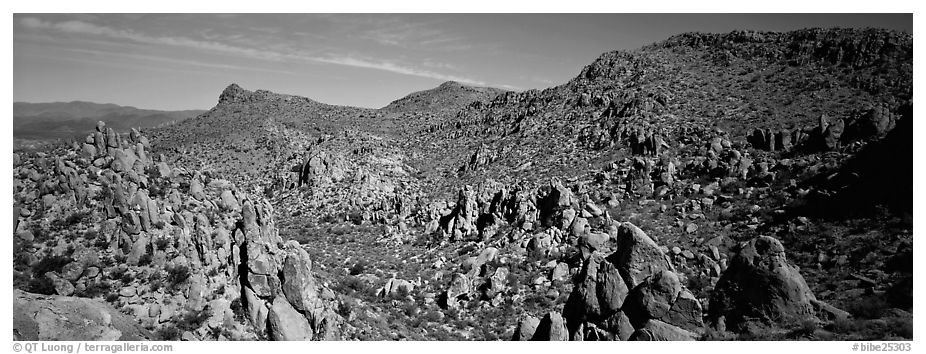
61	120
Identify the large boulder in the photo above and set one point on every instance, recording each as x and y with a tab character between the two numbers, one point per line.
396	287
55	318
637	256
197	190
553	205
653	298
287	324
228	201
551	328
459	289
760	285
299	286
686	312
599	292
526	329
656	330
62	286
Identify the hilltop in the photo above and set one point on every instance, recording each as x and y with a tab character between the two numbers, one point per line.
448	96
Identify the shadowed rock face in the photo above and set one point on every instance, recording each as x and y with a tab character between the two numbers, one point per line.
637	255
604	305
761	285
42	317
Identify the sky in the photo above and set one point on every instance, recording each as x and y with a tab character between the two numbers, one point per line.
183	61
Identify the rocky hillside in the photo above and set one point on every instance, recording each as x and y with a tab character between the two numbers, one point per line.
186	255
686	89
738	186
449	96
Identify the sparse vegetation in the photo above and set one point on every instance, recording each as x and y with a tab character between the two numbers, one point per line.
176	276
674	137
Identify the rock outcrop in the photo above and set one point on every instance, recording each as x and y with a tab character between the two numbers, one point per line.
55	318
760	285
633	293
199	249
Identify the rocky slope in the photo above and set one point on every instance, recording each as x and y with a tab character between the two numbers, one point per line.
710	186
185	254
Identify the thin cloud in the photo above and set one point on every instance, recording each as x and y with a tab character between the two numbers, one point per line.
81	27
175	61
396	68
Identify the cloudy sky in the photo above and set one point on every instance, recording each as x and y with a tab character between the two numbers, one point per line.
183	61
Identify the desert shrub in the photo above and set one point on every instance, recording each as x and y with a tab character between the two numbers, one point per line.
127	278
346	306
329	219
489	334
432	316
95	289
21	251
712	334
865	329
902	327
358	268
73	219
177	275
107	262
99	242
71	236
145	259
154	280
192	320
699	285
806	329
538	302
514	281
21	280
184	185
41	285
50	264
867	307
410	309
452	313
350	285
339	230
212	272
355	217
238	309
41	235
401	293
161	243
212	214
168	332
91	235
117	273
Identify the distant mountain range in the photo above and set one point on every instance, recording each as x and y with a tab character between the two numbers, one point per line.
56	120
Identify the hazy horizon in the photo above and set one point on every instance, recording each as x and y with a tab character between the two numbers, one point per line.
183	61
